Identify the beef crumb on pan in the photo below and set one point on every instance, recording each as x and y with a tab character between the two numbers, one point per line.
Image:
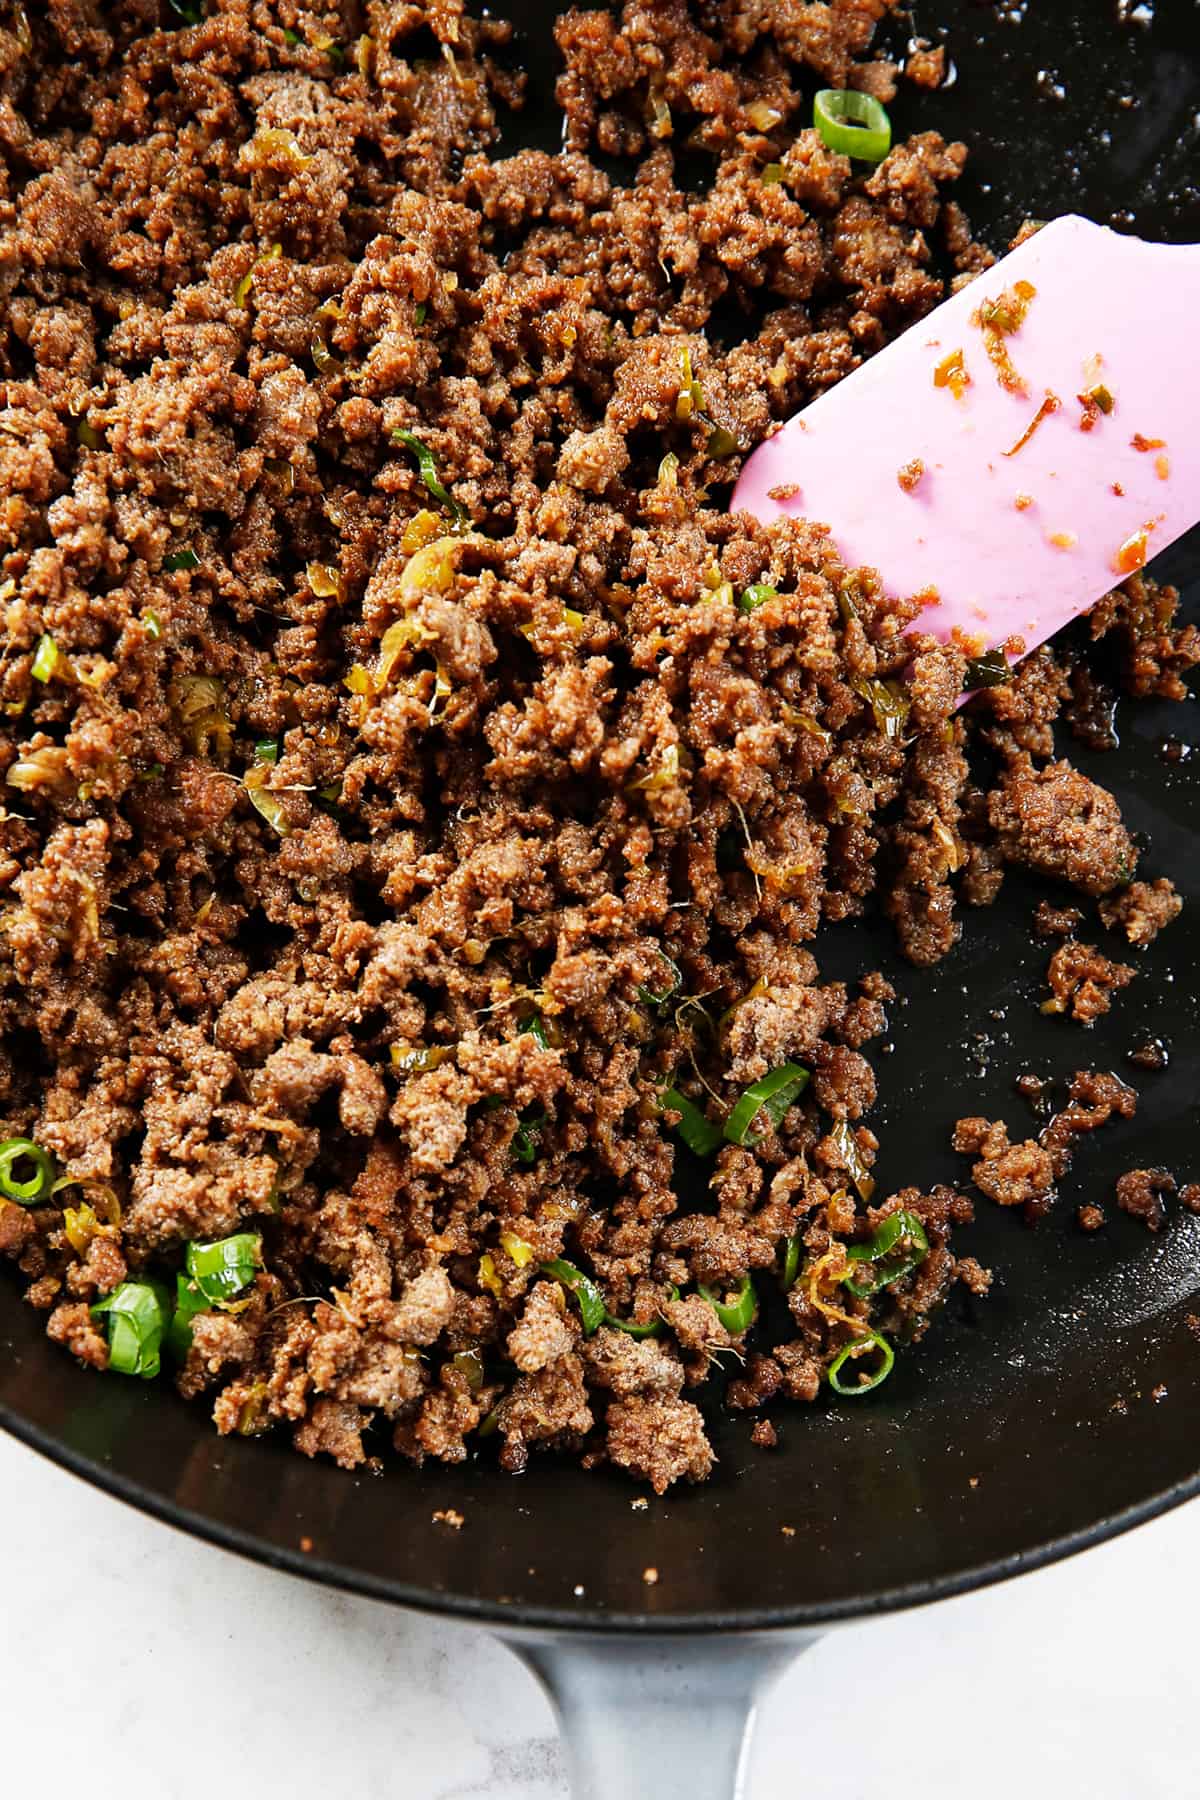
421	793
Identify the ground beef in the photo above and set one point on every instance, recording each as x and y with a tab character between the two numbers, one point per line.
409	801
659	1440
1082	981
1141	1192
1058	822
1056	921
1026	1174
1142	909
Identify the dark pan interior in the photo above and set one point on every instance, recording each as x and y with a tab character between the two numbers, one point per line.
1025	1425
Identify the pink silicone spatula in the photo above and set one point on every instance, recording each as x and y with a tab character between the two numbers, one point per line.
1017	496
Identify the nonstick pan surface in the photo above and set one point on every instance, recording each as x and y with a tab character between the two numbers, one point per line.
1057	1411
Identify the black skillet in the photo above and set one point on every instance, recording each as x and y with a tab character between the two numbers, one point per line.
1057	1412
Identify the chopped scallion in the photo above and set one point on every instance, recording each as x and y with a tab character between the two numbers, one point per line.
899	1245
517	1249
136	1316
266	750
469	1364
991	669
418	1059
852	124
852	1159
181	559
427	469
325	580
757	594
859	1347
660	996
45	659
38	1184
524	1146
735	1315
700	1135
189	1303
791	1262
223	1268
772	1095
588	1297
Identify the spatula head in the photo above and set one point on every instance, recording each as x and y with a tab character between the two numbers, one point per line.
1032	441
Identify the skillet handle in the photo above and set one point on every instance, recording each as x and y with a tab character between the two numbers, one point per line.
671	1716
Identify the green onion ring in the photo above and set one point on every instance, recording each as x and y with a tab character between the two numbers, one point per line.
772	1095
39	1184
736	1315
700	1135
852	124
588	1297
854	1349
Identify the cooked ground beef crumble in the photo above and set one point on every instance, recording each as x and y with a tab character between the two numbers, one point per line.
383	840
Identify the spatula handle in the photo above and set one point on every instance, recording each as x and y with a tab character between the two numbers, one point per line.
667	1716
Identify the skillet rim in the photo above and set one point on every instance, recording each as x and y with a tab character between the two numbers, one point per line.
525	1617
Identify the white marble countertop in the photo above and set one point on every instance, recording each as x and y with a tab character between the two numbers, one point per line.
131	1649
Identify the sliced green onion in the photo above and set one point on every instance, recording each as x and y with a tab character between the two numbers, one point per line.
37	1186
773	1095
773	174
852	124
418	1059
547	1035
419	311
289	36
864	1384
264	802
427	468
524	1146
181	559
137	1314
991	669
45	659
791	1262
469	1364
87	435
266	750
721	443
757	594
700	1135
153	624
737	1315
588	1297
659	997
190	11
223	1268
900	1244
189	1303
887	701
635	1328
516	1248
843	1136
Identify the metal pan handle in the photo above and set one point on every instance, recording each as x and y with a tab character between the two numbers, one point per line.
671	1716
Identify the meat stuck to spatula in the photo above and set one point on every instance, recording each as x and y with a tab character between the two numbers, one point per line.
1012	457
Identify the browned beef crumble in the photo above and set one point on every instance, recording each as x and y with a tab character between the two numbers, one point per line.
1141	1192
1141	910
524	769
1082	981
1027	1174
